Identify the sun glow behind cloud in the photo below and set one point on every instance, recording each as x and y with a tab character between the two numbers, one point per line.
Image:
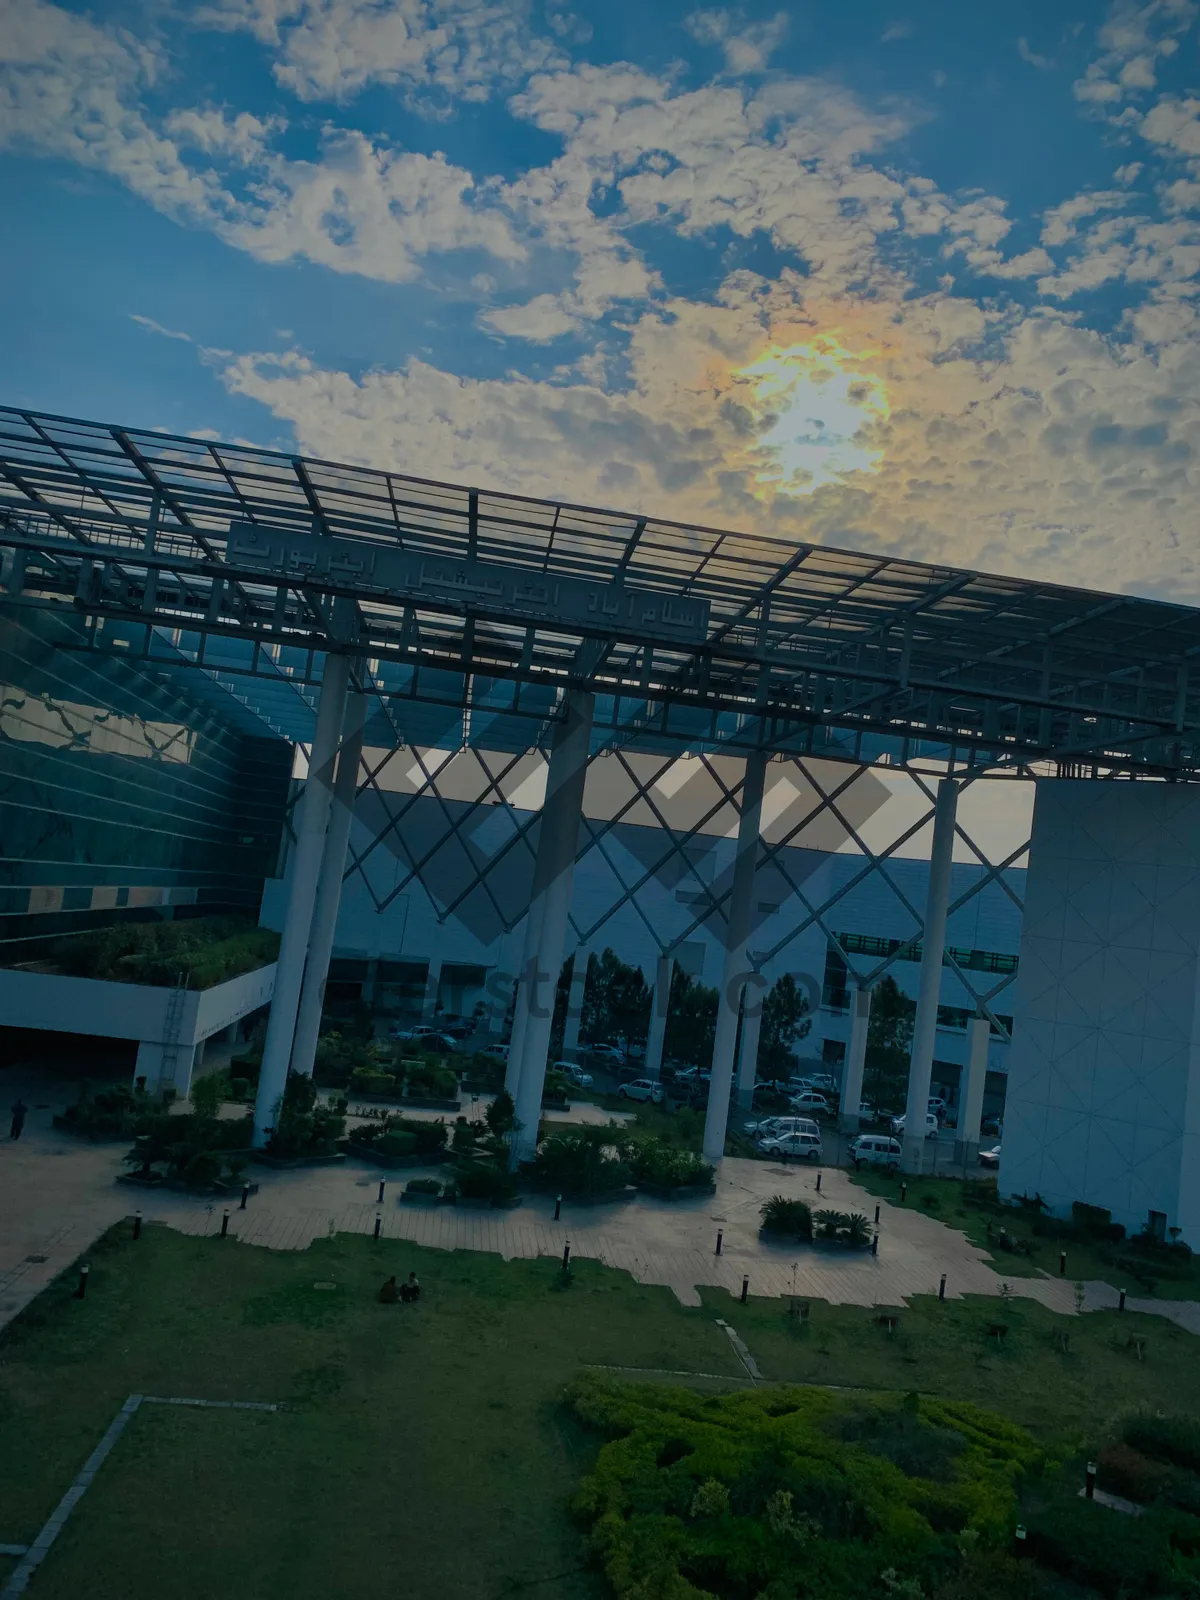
814	413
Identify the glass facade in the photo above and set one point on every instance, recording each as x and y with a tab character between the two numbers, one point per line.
122	794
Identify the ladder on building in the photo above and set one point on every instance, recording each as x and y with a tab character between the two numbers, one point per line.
172	1027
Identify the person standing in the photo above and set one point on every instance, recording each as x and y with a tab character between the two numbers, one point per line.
19	1112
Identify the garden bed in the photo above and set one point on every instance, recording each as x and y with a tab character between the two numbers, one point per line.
156	1180
679	1191
287	1163
380	1158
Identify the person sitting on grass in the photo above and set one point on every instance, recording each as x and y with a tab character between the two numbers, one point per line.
389	1294
410	1291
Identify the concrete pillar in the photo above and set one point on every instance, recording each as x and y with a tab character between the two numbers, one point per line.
856	1056
970	1091
370	981
311	817
575	1002
660	1004
752	1013
433	983
329	887
933	944
553	883
733	977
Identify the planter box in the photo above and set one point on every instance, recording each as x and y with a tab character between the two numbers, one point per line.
225	1186
555	1105
473	1204
683	1191
479	1086
380	1158
286	1163
422	1104
407	1199
610	1197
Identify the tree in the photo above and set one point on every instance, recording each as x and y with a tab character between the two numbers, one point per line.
691	1021
889	1046
785	1019
616	1002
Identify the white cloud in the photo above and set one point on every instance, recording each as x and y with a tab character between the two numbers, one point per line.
156	327
1132	40
1175	124
1037	460
1060	223
1042	63
451	49
747	46
894	31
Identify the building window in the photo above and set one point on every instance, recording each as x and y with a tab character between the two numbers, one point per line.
834	993
1156	1225
833	1052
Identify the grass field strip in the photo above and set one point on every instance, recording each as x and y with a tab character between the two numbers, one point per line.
37	1552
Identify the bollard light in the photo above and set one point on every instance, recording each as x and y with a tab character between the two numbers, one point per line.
378	1224
1090	1484
1121	1301
83	1282
876	1216
557	1207
382	1187
1020	1533
875	1245
224	1224
720	1236
245	1196
942	1288
1062	1263
903	1193
566	1264
745	1287
137	1224
818	1183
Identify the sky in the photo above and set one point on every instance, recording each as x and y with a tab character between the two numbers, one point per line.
918	278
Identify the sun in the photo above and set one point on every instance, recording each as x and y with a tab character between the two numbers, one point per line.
812	409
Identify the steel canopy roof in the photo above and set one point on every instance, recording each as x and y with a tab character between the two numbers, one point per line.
713	638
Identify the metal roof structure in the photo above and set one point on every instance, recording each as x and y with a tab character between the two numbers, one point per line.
470	612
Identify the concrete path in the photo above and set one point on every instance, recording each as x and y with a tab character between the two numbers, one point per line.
57	1196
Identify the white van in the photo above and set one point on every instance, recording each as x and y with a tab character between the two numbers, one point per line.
875	1150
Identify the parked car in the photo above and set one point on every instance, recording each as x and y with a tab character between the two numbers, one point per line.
436	1044
782	1127
938	1106
931	1125
606	1054
801	1146
407	1035
575	1072
874	1150
808	1100
693	1075
992	1127
990	1158
825	1082
498	1052
641	1089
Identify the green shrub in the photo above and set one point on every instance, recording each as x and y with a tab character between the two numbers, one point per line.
422	1186
1172	1439
239	1089
480	1180
583	1163
1124	1470
113	1112
303	1127
1119	1556
791	1491
501	1114
373	1083
427	1080
397	1142
198	951
790	1218
1095	1222
486	1069
557	1086
654	1161
207	1093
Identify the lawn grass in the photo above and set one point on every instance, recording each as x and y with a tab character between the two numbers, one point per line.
942	1198
423	1449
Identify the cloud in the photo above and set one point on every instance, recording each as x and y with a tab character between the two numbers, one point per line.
1042	63
1035	459
437	52
1132	39
747	46
156	327
897	30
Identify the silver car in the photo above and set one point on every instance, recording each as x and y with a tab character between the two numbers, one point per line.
800	1146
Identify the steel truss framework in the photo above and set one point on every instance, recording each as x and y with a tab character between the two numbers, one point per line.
495	604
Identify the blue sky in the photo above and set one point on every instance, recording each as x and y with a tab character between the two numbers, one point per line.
916	278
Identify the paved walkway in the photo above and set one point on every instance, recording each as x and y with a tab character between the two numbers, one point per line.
57	1196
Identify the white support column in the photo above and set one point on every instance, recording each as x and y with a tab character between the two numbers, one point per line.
970	1091
933	944
733	977
433	983
660	1004
329	887
529	945
311	817
752	1011
856	1057
575	1001
553	883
